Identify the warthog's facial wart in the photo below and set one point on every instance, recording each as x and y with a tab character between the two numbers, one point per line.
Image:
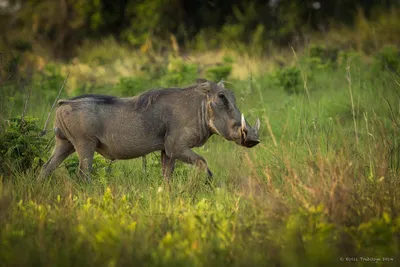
226	119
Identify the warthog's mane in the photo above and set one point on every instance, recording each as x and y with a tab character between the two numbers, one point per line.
105	99
145	99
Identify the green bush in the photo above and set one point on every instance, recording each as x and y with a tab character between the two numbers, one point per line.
315	64
321	58
344	56
205	40
49	83
20	145
102	52
129	86
84	88
219	72
222	70
326	55
388	57
179	73
289	79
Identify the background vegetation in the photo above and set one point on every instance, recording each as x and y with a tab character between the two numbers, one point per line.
322	188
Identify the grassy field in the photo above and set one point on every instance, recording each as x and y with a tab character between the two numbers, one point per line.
322	188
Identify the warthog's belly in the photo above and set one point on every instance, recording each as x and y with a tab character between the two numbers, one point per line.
127	151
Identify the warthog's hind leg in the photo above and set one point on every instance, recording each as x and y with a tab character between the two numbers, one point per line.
85	150
61	151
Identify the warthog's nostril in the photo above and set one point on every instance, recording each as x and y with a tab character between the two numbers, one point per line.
252	143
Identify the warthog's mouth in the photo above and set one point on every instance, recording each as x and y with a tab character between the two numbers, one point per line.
250	143
247	142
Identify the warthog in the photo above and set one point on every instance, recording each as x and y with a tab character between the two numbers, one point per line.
170	120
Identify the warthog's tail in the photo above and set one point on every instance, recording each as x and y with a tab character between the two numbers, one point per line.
66	101
62	101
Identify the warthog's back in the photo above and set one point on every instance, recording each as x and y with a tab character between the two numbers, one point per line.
120	130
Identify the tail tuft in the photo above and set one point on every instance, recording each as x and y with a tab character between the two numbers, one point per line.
61	101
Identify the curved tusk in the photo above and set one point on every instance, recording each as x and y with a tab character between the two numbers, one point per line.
257	126
243	122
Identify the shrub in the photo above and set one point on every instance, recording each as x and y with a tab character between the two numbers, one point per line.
205	40
388	57
345	55
128	86
325	54
20	145
219	72
104	52
49	82
321	57
289	79
84	88
179	72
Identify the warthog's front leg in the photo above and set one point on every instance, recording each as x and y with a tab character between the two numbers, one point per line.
168	165
190	157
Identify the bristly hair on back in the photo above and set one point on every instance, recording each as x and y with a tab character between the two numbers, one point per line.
142	101
148	98
105	99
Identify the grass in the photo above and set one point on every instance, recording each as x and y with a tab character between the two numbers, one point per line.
322	188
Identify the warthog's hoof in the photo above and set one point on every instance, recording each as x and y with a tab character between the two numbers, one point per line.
209	178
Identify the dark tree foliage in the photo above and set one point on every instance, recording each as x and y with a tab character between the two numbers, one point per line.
66	23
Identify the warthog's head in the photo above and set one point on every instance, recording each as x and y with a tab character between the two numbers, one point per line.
225	118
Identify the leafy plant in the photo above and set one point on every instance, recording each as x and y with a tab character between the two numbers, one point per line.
128	86
325	54
219	72
20	144
50	81
388	57
344	56
179	72
289	79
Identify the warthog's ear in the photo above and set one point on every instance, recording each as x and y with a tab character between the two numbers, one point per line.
201	80
221	83
204	87
61	101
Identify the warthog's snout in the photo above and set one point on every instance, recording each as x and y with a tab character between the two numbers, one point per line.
250	143
249	135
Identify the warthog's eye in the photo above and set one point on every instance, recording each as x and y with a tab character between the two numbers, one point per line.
222	97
